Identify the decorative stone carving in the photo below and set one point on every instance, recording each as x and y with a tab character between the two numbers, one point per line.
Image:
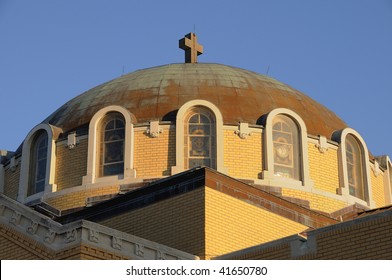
93	236
13	164
71	143
116	243
154	130
322	145
139	250
161	255
32	228
49	237
243	130
376	168
15	218
70	236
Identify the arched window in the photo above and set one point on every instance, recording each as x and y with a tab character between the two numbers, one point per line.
112	145
199	136
355	168
286	148
200	139
38	157
355	182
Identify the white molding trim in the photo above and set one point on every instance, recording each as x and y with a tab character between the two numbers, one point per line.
2	178
268	173
54	236
340	137
388	181
129	171
52	133
180	134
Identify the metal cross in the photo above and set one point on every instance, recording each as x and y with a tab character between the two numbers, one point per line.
191	47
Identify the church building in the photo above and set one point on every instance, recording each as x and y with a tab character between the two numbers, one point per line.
194	161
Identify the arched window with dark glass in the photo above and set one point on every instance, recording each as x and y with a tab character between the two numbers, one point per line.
200	139
39	157
355	168
285	137
112	145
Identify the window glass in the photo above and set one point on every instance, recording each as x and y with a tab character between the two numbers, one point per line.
286	147
199	139
38	164
355	170
112	145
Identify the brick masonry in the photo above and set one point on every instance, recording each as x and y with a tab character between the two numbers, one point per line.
243	157
71	165
154	157
368	238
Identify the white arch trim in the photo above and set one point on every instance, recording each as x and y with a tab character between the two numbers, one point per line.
93	137
52	133
344	186
180	134
268	173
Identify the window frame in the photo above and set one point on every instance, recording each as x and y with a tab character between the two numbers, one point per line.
180	134
288	141
93	155
26	164
304	183
200	111
341	138
36	148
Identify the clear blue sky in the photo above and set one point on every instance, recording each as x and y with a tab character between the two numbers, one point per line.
338	52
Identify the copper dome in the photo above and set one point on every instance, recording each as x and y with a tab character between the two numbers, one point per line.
157	93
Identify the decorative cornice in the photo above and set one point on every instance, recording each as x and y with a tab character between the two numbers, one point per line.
57	237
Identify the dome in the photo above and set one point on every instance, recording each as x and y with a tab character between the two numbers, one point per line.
157	93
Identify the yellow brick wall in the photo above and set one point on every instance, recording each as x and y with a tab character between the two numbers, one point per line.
78	198
232	224
378	191
243	157
71	165
323	168
317	202
154	157
177	222
11	181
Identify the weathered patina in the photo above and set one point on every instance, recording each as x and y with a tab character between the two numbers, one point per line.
157	93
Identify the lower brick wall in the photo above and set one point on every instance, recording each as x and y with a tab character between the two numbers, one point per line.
177	222
16	246
368	238
232	224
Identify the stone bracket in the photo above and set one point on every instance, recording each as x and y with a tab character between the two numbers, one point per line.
322	144
154	130
72	140
243	130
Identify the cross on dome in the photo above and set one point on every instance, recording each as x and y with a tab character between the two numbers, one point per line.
191	47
